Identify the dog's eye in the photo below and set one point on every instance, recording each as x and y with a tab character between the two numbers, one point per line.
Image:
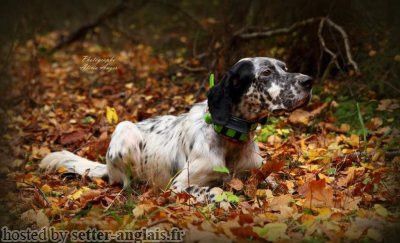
266	73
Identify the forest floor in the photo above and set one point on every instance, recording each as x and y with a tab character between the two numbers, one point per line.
336	167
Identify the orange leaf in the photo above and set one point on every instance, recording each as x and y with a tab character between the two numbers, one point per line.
317	194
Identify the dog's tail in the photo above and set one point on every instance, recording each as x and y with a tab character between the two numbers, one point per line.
73	164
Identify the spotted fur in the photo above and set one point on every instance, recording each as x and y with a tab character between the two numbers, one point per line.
185	149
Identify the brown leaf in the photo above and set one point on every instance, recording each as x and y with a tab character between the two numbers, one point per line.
351	172
72	137
259	175
236	184
317	194
90	196
244	232
301	116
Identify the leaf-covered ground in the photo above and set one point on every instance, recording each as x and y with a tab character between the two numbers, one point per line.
334	166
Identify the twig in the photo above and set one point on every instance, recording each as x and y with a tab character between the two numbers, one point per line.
40	192
346	43
256	35
119	193
193	69
323	44
84	29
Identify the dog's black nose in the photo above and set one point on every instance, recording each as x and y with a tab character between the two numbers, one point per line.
306	81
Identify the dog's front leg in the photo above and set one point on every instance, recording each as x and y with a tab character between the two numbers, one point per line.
193	179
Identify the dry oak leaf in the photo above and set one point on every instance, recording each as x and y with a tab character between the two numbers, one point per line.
272	231
72	137
39	153
351	172
301	116
77	194
141	209
317	194
388	105
276	203
236	184
261	174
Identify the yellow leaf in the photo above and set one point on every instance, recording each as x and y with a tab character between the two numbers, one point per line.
354	140
189	99
46	189
380	210
78	193
316	154
324	213
263	193
62	170
327	178
310	167
111	115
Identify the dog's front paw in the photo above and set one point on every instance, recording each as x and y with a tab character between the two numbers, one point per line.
202	194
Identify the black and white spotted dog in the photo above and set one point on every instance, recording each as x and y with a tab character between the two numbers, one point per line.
187	148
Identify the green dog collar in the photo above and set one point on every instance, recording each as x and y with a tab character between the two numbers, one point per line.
236	129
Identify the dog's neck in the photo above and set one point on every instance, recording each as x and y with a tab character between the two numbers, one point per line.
253	113
237	129
249	111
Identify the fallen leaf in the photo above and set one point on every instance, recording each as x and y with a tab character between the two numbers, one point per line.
317	194
272	231
141	209
77	194
236	184
72	137
111	115
380	210
46	189
261	174
39	153
301	116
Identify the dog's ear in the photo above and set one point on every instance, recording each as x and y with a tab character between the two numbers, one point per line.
220	101
229	91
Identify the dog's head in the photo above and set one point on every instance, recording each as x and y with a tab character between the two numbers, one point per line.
255	87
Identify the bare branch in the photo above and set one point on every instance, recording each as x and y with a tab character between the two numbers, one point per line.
257	35
241	34
323	44
81	32
193	69
346	43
